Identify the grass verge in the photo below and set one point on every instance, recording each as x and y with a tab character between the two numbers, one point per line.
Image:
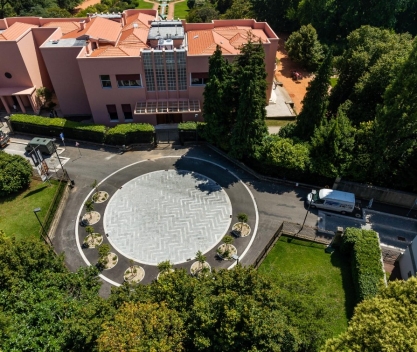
332	272
16	211
145	5
277	122
181	10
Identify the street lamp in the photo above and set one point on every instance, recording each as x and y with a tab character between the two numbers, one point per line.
313	192
36	211
235	257
59	159
196	125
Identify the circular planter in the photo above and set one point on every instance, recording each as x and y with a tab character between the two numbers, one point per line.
91	218
111	263
100	197
222	250
197	267
95	242
134	274
241	229
164	273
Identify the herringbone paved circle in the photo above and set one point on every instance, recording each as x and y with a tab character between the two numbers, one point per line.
167	215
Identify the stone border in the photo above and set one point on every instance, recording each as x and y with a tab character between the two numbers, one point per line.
110	258
241	229
222	248
91	218
196	271
95	245
100	194
138	277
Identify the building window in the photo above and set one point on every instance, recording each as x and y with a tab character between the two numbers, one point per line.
182	70
199	78
148	68
105	81
128	81
160	71
127	111
112	111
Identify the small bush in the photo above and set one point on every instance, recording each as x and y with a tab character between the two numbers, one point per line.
365	255
15	173
129	133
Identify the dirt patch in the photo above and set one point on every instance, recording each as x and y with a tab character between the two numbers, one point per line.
87	3
296	89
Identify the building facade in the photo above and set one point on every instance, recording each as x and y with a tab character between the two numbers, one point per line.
118	68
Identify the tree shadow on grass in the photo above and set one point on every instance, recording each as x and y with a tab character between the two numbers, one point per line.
35	191
341	261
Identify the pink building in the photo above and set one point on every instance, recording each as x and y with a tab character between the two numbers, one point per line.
125	67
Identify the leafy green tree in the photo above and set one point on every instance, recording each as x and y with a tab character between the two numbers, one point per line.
165	267
396	127
154	326
15	173
386	322
218	103
332	146
202	14
315	102
250	128
239	9
304	47
366	46
89	206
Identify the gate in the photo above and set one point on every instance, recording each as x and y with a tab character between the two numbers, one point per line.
167	135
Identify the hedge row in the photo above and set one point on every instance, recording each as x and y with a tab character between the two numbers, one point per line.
121	134
365	253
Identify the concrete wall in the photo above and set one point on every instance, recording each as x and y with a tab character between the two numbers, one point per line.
98	97
66	78
12	61
382	195
406	260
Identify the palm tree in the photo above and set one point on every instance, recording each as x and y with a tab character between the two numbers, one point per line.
165	267
89	206
201	259
90	231
242	218
103	252
94	186
228	240
132	267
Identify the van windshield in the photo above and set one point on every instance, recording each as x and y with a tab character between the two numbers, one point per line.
315	196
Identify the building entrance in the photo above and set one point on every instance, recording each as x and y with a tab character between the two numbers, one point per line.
168	118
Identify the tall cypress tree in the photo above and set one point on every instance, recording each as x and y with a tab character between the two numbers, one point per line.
218	102
315	102
250	127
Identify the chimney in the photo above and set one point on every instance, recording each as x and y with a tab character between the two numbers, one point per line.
82	25
87	47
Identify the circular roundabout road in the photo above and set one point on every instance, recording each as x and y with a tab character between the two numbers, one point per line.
168	209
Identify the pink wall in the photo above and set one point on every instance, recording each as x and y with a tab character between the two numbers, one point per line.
98	97
30	20
11	61
3	23
66	78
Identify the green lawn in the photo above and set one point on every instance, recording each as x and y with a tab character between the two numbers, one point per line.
331	272
333	81
181	10
278	122
16	212
145	5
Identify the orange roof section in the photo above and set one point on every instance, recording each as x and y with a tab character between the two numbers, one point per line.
141	20
16	30
230	39
66	26
98	28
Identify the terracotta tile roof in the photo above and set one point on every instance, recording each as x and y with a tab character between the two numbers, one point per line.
117	51
230	39
140	19
97	28
66	27
15	31
134	36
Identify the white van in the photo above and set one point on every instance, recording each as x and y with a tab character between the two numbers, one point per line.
330	199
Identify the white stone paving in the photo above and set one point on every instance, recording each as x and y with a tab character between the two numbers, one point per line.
167	215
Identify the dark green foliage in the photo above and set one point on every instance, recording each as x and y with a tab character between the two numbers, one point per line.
304	47
396	127
250	128
202	14
315	102
362	246
219	110
332	146
15	173
239	9
190	4
129	133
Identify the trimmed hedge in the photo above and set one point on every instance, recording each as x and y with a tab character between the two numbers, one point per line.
129	133
187	131
365	254
54	126
120	134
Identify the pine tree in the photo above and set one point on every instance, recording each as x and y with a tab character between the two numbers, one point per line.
315	101
218	102
250	127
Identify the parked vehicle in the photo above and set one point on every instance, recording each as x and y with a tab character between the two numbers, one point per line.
45	145
343	202
4	139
